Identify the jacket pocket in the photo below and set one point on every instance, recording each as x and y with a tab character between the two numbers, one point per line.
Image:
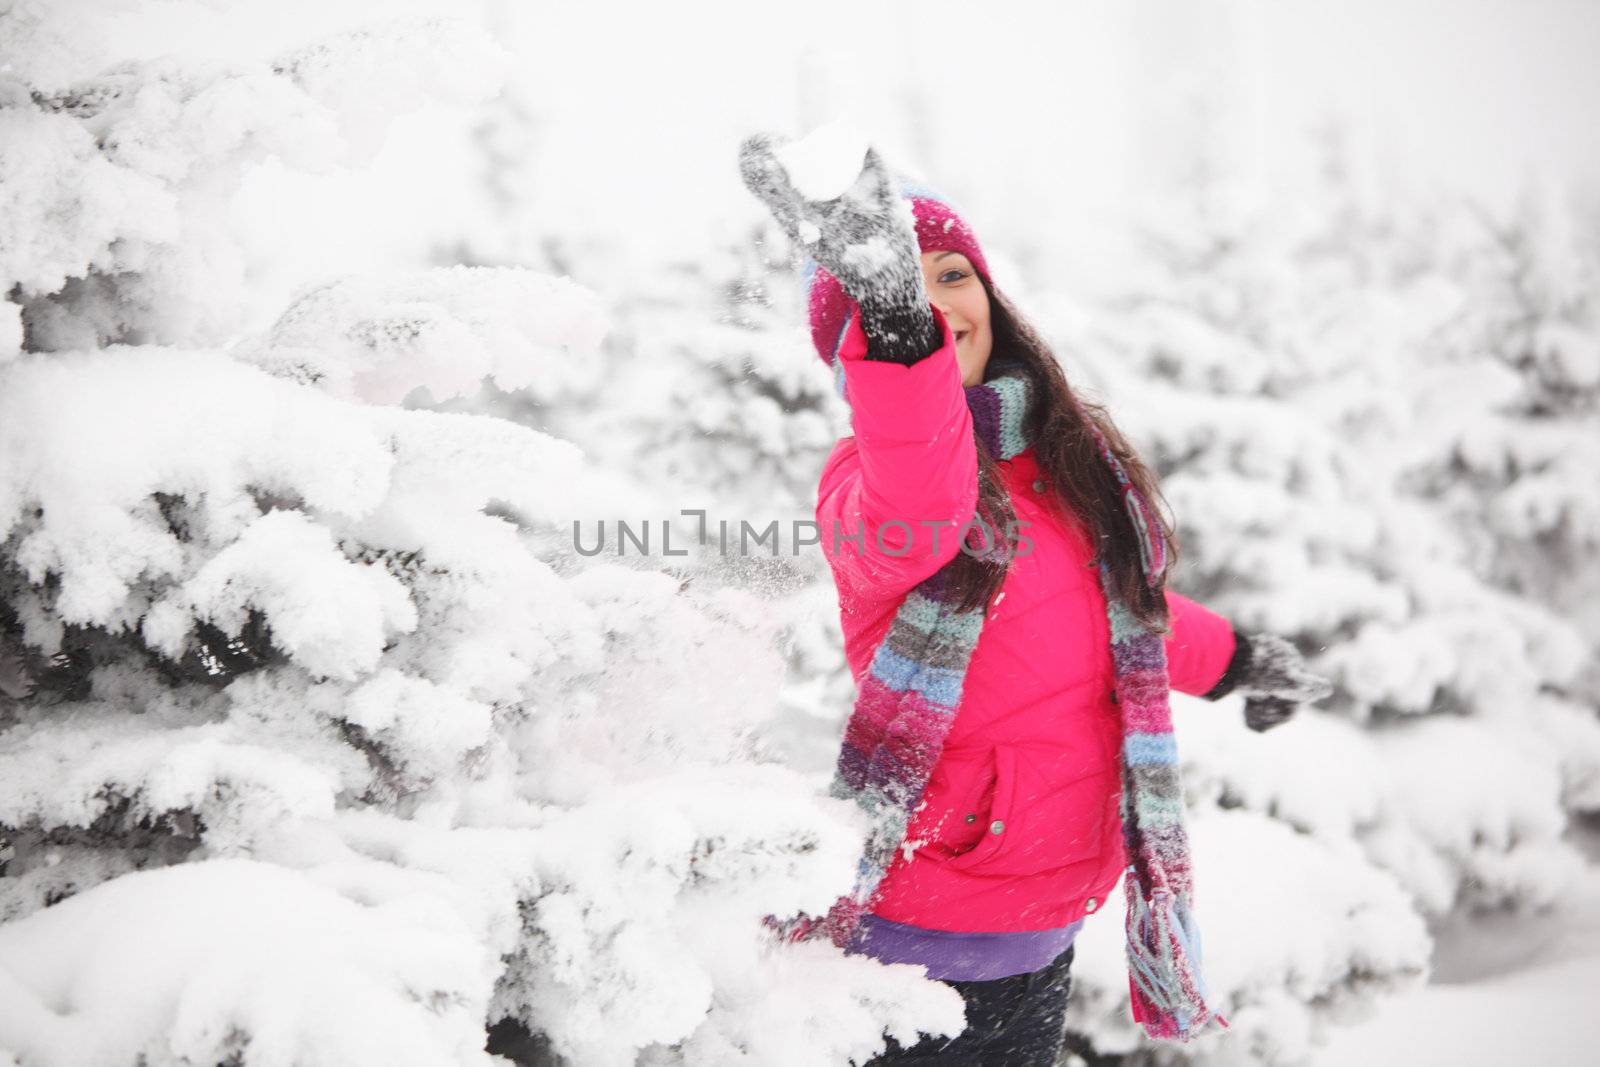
1042	820
954	817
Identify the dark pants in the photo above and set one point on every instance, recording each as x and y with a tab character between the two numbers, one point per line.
1019	1021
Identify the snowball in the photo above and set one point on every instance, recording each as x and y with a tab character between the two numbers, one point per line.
826	162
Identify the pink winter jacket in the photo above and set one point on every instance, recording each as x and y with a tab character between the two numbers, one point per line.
1020	828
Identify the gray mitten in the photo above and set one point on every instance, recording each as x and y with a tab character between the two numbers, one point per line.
866	238
1272	676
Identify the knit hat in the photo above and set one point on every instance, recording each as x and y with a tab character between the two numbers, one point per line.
939	229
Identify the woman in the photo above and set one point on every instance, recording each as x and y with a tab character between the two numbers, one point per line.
1001	578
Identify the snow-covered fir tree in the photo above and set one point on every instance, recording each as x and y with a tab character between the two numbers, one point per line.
319	744
719	395
1306	380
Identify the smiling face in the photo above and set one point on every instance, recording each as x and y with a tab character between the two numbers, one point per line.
957	291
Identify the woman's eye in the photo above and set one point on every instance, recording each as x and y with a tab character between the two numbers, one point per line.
952	275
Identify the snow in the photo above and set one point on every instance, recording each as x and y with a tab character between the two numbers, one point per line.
232	775
870	256
826	162
1281	940
443	330
1530	1003
10	332
202	961
97	202
327	323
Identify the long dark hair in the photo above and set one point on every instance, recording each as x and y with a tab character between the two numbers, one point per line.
1074	472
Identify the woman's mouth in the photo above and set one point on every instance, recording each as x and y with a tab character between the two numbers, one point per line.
961	335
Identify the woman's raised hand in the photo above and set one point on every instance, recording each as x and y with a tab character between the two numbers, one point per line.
1276	682
865	237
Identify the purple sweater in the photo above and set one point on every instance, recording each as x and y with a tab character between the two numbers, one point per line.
964	957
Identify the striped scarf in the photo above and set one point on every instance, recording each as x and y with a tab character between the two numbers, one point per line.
907	702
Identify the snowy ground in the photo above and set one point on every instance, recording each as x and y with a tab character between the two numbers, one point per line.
1506	990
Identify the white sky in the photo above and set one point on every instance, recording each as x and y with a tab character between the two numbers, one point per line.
1050	123
1060	115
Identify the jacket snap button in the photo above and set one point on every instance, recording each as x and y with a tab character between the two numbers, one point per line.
1038	486
1114	699
1091	904
972	816
997	827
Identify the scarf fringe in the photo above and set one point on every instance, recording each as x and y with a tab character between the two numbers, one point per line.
1164	982
1152	546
